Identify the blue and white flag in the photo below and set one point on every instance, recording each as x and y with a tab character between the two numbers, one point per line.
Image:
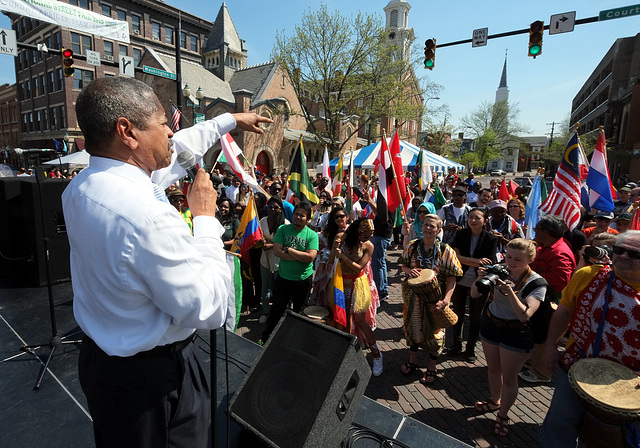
601	192
532	211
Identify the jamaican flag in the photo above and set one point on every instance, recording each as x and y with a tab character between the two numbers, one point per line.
299	181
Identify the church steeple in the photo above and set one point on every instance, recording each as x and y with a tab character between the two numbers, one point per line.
397	24
224	52
502	94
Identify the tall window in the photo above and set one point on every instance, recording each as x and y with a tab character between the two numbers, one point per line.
137	56
194	43
81	78
122	15
106	10
108	48
168	35
43	87
155	30
63	116
80	43
135	23
183	40
123	50
60	79
52	82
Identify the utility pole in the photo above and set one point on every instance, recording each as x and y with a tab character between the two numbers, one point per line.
553	124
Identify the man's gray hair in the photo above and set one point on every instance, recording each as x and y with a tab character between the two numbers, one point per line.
104	101
625	235
553	225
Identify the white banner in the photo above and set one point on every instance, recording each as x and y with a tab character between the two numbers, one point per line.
70	16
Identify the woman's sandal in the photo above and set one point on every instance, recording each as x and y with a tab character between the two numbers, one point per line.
501	427
486	406
409	368
429	377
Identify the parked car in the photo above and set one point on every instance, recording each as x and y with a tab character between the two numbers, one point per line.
498	173
527	174
523	181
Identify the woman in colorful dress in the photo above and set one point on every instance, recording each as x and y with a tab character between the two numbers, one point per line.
427	253
354	256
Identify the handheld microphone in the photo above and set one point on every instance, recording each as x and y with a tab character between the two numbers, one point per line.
187	161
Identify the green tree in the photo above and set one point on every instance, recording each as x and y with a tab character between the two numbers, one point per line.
496	128
347	67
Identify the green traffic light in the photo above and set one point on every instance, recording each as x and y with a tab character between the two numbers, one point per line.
535	49
428	63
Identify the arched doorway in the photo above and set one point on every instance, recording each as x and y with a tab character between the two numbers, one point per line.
262	163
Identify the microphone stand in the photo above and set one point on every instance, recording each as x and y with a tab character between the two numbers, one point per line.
55	341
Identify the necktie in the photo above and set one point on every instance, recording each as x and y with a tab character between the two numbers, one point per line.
159	193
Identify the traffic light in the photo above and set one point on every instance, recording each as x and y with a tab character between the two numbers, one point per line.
67	62
430	53
535	38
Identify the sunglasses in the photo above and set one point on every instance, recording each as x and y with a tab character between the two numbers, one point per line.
633	254
423	212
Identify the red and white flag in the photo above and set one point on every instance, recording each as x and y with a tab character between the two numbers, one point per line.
396	157
230	148
175	118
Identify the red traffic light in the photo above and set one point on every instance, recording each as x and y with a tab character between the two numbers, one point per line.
67	62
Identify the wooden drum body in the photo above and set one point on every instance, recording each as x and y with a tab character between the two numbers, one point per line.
426	286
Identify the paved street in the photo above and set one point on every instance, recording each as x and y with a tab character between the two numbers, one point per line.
448	404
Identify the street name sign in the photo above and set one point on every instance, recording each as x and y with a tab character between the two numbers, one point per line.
158	72
562	23
618	13
479	38
8	42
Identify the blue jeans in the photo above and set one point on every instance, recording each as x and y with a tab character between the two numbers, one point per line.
379	264
560	427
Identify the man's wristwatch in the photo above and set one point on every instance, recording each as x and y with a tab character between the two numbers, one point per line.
286	250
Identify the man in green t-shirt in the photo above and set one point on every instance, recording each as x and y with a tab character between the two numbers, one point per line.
297	246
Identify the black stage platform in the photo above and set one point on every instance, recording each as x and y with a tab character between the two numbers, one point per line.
57	415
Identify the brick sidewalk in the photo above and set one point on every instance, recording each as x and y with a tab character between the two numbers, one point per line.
447	405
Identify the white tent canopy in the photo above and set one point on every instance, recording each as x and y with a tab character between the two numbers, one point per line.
363	158
80	158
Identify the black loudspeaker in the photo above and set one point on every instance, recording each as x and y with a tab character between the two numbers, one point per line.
304	389
26	240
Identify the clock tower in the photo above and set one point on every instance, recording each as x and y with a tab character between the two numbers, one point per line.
398	31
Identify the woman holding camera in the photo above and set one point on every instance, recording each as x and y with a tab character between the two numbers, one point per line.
505	329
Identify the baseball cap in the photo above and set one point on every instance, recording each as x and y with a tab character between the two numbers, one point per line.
625	188
497	203
461	189
604	215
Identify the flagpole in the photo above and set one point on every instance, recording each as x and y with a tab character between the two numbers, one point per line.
584	156
182	116
395	177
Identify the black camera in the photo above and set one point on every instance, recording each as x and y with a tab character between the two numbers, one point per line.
495	272
597	252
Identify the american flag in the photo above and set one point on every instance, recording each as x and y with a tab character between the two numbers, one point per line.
175	118
564	200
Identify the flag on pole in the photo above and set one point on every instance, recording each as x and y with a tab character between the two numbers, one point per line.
532	211
325	164
175	118
423	170
503	192
564	200
512	187
299	182
601	191
635	219
336	184
396	157
248	233
229	149
234	302
385	181
350	183
339	303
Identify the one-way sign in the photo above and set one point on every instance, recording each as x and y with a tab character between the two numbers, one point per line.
479	38
562	23
8	42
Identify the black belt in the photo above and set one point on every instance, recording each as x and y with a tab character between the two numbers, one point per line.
164	350
505	323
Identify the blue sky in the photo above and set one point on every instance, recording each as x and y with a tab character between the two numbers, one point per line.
543	88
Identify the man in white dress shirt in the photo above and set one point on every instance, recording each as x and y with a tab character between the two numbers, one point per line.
142	283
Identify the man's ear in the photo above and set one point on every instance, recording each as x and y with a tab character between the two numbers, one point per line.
126	132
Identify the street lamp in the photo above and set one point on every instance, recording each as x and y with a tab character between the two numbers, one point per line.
186	92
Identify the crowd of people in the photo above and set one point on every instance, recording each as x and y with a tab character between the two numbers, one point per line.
472	237
156	271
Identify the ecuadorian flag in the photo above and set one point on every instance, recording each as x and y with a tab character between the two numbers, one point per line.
249	232
339	304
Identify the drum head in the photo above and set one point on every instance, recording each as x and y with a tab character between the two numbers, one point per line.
425	276
316	312
607	384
